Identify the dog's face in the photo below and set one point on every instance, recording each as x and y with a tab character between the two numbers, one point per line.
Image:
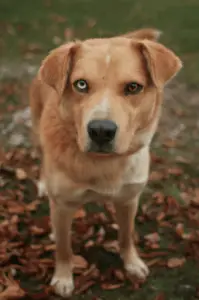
109	88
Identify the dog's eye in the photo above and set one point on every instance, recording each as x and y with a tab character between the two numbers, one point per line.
81	85
133	88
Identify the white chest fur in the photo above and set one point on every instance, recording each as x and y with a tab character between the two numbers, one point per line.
136	172
138	168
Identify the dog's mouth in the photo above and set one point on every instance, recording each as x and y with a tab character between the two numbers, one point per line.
102	150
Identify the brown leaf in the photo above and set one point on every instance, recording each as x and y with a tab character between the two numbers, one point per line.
33	205
12	292
36	230
159	197
79	262
175	171
180	229
176	262
152	237
114	226
153	262
110	286
80	214
84	287
156	176
89	244
15	208
112	246
170	143
21	174
51	247
119	274
160	216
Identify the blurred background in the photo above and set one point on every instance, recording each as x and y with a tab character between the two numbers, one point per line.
28	31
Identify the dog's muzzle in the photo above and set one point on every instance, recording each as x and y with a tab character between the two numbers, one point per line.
101	134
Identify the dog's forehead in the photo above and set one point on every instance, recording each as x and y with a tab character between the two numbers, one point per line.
98	48
117	54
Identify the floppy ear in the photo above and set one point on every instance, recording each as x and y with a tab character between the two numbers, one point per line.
145	33
162	63
56	67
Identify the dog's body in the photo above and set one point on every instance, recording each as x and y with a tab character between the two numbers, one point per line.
95	108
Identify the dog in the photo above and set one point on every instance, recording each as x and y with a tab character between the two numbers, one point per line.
95	107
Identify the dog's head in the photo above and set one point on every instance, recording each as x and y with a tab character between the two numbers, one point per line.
109	88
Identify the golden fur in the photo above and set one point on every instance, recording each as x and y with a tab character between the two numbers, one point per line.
60	115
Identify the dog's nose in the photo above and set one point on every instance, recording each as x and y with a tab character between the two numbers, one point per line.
102	131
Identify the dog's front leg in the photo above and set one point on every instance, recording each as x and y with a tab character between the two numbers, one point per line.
126	213
62	281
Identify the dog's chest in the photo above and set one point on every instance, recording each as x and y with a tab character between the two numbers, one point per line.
136	172
128	184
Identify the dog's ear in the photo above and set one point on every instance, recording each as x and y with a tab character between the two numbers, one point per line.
162	63
145	33
56	67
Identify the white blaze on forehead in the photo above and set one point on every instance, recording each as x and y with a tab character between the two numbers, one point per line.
108	59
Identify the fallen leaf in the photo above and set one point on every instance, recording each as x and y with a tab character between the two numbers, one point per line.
159	197
79	262
180	229
21	174
175	171
33	205
160	216
152	237
170	143
80	214
12	292
84	287
153	262
156	176
176	262
36	230
89	244
119	274
110	286
112	246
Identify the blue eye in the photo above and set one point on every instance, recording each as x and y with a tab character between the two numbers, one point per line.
133	88
81	85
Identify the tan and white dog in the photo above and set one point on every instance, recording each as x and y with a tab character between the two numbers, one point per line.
95	108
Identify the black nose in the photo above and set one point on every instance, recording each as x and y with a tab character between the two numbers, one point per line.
102	131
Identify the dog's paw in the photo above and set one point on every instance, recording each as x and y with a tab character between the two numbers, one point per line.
41	187
63	286
136	267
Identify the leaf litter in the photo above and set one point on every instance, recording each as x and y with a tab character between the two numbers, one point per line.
27	253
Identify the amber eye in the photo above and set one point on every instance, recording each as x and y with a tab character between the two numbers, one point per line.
133	88
81	85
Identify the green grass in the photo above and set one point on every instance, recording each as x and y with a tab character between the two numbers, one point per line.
25	23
